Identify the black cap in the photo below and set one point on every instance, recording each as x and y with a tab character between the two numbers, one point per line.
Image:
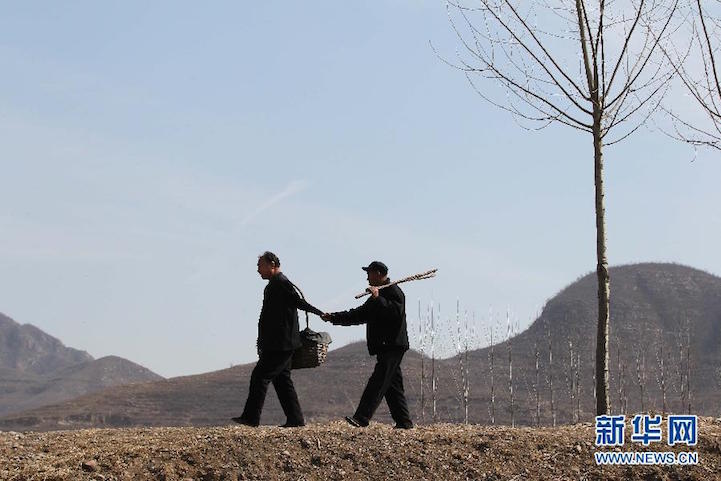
376	266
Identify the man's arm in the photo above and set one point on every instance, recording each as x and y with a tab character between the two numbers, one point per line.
297	301
304	305
352	317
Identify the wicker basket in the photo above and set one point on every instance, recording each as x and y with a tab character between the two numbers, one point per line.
315	345
314	350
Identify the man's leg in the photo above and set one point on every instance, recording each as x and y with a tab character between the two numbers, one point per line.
287	396
378	383
267	368
396	399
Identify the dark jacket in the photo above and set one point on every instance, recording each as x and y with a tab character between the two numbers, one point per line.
278	323
384	317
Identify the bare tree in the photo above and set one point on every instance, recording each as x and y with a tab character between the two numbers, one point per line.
578	386
688	366
461	377
622	397
571	381
661	373
573	385
594	387
491	362
465	370
680	371
536	386
683	366
624	407
434	384
718	379
641	374
509	345
422	336
550	374
461	339
578	63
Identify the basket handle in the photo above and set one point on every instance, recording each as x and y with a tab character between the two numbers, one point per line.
307	325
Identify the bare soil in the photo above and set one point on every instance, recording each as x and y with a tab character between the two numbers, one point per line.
336	451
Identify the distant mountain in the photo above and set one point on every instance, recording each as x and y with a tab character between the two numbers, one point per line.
655	309
37	369
27	349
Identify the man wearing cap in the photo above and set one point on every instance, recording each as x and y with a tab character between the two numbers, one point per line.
384	314
278	338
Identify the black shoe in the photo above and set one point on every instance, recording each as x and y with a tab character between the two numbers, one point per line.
244	422
355	422
292	425
408	425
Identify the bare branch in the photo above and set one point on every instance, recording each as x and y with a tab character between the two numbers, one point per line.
633	78
710	50
530	52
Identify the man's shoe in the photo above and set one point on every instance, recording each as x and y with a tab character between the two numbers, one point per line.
292	425
355	422
408	425
244	422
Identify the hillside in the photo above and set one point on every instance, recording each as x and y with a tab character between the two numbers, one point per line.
336	451
654	306
209	399
37	369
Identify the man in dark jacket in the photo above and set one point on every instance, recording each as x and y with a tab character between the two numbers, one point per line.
384	315
278	338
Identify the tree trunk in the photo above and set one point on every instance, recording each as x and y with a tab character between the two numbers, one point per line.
604	284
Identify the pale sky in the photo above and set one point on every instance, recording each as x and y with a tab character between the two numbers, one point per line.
151	151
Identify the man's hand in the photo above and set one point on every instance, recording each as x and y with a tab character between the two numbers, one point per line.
325	316
373	290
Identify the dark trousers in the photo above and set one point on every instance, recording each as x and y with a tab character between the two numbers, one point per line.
273	366
386	381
